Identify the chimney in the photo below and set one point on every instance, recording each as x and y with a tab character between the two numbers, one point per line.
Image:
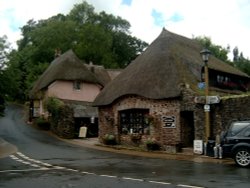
91	66
57	52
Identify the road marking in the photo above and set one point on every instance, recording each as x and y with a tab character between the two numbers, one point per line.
159	182
108	176
133	179
73	170
29	161
188	186
40	166
34	165
13	157
89	173
25	170
59	167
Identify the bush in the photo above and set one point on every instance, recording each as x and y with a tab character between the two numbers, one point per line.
54	105
42	123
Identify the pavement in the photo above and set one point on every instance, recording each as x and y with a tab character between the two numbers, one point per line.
6	148
93	143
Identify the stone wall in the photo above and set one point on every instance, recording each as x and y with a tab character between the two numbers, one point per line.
221	114
62	124
229	109
109	120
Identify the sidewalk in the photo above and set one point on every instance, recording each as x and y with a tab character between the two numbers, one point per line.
6	148
94	144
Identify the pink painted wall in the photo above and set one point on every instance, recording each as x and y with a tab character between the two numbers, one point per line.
65	90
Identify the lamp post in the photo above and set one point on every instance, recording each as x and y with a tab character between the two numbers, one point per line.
205	56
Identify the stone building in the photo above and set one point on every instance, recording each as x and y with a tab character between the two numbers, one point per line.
154	97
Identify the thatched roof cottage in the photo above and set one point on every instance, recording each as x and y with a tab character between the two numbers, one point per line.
154	96
74	82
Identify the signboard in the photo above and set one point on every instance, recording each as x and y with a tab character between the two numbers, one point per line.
206	108
213	99
169	121
207	100
200	100
201	85
198	146
83	132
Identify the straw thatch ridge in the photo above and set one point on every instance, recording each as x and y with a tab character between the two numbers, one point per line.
68	67
168	62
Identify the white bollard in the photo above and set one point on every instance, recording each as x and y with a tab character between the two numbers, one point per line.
215	152
220	152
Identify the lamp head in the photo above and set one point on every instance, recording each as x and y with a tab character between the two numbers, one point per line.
205	55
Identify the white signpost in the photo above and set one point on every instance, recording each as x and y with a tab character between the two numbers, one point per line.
198	146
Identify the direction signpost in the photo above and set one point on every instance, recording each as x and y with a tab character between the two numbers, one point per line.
209	100
213	99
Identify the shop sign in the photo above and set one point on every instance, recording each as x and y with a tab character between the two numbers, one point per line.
198	146
169	121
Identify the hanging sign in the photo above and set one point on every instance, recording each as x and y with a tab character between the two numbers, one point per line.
169	121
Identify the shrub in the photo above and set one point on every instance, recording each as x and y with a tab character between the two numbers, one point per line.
54	105
42	123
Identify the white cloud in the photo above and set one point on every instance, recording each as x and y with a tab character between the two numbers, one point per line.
225	21
15	13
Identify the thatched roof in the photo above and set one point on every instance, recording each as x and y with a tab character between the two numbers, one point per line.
170	60
82	108
69	67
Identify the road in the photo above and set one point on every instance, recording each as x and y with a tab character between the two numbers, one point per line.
40	160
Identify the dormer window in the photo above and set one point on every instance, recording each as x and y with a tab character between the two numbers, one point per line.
77	85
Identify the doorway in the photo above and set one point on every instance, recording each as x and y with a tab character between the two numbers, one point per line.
187	128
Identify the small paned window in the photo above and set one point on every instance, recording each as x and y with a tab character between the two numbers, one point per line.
134	121
77	85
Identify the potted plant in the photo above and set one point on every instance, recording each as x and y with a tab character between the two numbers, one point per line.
109	139
135	137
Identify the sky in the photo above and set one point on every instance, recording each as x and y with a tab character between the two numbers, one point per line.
226	22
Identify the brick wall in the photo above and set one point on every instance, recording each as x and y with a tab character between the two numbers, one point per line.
109	119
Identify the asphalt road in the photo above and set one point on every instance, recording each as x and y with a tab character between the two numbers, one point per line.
44	161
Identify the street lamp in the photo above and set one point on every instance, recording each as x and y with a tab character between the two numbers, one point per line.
205	56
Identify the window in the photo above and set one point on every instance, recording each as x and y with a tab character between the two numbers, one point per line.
134	121
237	127
77	85
247	133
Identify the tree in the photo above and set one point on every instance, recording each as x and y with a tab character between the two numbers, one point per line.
217	50
240	61
82	13
100	38
235	54
3	53
4	48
